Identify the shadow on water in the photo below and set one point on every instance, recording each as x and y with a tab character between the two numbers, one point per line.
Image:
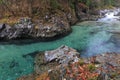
24	41
33	54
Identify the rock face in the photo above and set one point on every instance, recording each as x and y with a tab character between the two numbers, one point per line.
52	25
25	28
84	13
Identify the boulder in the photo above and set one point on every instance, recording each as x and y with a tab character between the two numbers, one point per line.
115	38
63	54
51	59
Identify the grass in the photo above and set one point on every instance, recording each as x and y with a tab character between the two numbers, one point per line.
91	67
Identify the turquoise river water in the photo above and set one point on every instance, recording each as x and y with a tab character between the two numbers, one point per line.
90	38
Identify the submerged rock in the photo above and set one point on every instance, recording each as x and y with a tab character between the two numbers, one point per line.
13	64
115	38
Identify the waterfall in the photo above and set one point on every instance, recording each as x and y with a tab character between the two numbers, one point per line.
109	15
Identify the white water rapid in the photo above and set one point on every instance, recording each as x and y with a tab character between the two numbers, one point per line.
110	15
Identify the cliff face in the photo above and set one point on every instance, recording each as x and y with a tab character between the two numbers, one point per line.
50	17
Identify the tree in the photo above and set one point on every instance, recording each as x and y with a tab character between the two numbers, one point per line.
108	2
4	3
30	7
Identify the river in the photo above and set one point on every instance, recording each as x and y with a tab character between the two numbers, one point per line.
89	37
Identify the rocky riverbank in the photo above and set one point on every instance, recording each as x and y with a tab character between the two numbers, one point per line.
25	28
51	20
65	63
45	29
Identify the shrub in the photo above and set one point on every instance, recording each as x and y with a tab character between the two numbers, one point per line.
54	4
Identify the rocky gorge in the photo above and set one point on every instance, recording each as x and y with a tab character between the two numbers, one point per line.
53	23
33	47
26	29
65	63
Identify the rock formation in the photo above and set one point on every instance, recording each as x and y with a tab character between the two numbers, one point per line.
25	28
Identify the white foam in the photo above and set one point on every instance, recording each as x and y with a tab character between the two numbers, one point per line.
109	15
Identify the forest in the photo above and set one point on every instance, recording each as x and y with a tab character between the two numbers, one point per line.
35	7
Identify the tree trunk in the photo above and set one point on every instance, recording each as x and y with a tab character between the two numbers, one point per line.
76	7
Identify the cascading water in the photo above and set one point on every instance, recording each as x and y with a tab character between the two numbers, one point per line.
89	37
110	15
106	39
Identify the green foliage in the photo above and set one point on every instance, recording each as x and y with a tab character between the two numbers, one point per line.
93	78
91	67
114	74
54	4
97	4
108	2
81	62
3	2
0	1
71	3
81	1
88	2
